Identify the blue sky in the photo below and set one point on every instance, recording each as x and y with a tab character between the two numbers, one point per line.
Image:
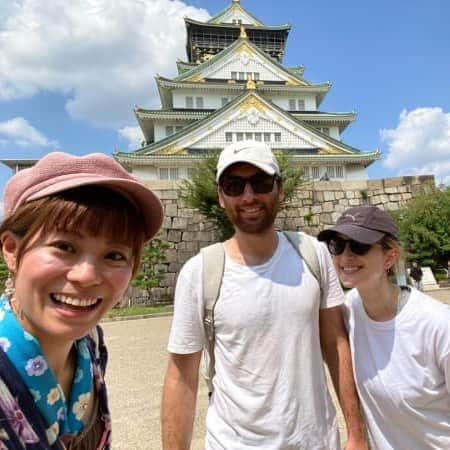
71	72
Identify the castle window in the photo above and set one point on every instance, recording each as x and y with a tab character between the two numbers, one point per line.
277	137
169	130
339	172
301	104
239	136
266	137
315	172
199	102
258	137
330	171
228	137
242	76
189	102
249	136
168	173
234	75
292	104
256	76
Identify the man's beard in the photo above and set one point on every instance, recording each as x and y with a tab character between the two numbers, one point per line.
255	225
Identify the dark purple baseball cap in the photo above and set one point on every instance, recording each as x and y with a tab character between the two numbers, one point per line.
366	224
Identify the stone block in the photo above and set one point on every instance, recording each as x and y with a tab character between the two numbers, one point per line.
328	207
354	185
168	279
179	223
329	196
175	267
183	257
168	195
317	197
171	209
186	212
174	236
171	255
374	184
167	222
188	236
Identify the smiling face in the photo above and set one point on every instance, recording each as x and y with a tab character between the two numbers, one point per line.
251	212
71	269
65	282
365	271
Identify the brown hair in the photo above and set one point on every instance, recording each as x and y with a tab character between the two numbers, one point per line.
94	209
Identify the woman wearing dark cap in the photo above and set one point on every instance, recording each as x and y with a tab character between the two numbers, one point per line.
72	236
399	337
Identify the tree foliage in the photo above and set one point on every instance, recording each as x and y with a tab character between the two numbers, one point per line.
149	275
424	228
200	192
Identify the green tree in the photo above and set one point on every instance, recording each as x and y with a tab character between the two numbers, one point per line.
149	275
200	192
424	228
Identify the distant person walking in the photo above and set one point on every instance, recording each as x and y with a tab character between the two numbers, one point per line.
416	275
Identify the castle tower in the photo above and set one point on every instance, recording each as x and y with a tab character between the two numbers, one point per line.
233	86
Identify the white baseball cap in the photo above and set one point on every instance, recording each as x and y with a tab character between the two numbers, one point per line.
251	152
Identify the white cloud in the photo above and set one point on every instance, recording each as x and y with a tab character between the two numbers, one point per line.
103	55
420	144
20	132
133	135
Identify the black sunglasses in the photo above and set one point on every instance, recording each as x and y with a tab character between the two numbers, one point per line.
261	183
336	246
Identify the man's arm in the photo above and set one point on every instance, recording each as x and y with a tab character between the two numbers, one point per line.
178	401
336	352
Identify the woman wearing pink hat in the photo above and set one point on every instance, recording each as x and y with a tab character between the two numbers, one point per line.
399	337
72	236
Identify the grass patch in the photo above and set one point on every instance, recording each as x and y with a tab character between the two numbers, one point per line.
138	310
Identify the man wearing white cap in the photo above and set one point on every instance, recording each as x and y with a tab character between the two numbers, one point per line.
272	320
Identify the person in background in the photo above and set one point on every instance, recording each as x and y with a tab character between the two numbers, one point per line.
416	275
72	235
274	326
399	337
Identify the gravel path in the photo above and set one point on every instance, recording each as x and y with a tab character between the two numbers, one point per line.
137	363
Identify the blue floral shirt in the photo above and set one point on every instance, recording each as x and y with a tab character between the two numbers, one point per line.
22	426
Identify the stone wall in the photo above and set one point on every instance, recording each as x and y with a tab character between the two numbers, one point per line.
317	205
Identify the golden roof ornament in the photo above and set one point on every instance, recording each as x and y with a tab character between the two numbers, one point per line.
251	85
243	34
236	1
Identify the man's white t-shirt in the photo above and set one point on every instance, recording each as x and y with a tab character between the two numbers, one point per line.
269	390
402	373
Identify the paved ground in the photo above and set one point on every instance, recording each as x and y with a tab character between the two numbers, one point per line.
136	369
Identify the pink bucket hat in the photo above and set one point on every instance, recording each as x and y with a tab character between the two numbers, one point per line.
58	171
